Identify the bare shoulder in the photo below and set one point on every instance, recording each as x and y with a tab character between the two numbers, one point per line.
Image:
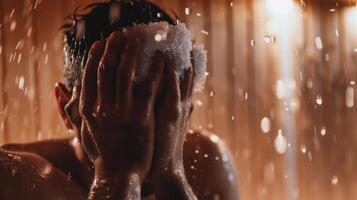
40	147
28	176
59	152
209	167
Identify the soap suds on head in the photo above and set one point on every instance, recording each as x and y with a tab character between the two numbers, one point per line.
200	65
175	41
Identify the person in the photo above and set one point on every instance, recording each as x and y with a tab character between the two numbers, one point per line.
130	139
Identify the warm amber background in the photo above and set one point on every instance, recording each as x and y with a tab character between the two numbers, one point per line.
243	78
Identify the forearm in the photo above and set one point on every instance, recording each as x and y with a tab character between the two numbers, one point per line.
174	187
115	185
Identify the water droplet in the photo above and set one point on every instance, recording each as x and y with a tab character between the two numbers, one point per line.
269	39
21	82
334	180
303	149
29	32
19	45
187	11
158	38
280	143
204	32
265	125
323	131
199	14
349	97
44	48
246	96
199	103
319	100
205	156
252	43
337	33
318	43
19	58
13	26
197	152
12	13
281	89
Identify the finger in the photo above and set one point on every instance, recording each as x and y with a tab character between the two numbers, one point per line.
107	70
152	81
126	71
172	94
193	75
186	83
88	141
89	81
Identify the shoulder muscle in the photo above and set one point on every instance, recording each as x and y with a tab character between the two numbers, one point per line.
209	167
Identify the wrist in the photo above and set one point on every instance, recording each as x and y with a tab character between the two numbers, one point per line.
172	184
109	184
106	170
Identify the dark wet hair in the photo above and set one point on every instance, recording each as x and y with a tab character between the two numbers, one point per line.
102	19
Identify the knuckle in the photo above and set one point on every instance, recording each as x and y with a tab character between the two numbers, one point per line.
83	113
115	40
114	36
101	66
96	48
102	110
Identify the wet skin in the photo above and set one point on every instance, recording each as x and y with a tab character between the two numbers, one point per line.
158	158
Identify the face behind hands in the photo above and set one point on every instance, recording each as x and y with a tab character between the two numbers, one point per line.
124	125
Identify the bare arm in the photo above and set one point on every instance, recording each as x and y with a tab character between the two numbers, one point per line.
110	184
172	112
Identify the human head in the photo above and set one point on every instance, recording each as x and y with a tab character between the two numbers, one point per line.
83	30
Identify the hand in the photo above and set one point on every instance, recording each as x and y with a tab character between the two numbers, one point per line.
172	112
118	116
